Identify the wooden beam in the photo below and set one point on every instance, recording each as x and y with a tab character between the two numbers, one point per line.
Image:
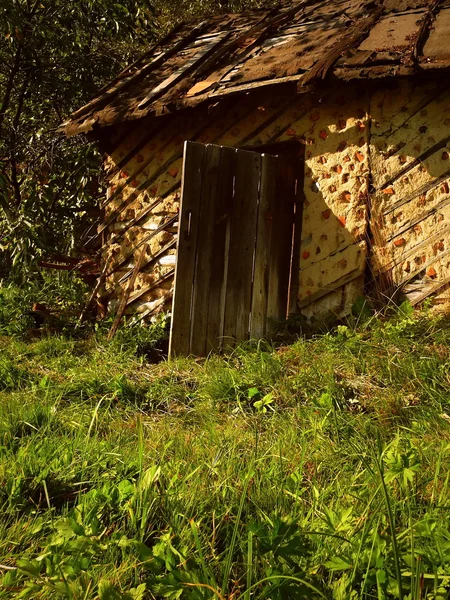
127	292
183	71
351	36
210	196
153	64
149	288
153	258
422	190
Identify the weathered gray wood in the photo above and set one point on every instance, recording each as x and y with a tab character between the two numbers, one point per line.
201	55
202	276
234	267
242	243
220	250
191	186
258	325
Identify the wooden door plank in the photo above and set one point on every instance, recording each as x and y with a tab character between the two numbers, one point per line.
191	188
281	247
298	161
220	249
202	277
242	244
258	325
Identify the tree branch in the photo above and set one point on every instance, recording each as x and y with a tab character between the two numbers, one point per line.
15	125
9	85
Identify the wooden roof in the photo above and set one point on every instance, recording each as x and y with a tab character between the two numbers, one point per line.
294	45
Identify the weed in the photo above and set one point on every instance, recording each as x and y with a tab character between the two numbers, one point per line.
316	470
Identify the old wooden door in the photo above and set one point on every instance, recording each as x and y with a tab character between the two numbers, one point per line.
235	254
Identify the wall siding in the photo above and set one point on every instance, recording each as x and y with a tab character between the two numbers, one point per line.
410	148
357	141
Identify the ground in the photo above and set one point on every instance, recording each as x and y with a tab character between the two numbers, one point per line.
316	469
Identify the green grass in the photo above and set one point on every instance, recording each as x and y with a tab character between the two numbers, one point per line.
315	470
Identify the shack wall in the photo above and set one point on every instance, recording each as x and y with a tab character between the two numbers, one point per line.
358	144
410	170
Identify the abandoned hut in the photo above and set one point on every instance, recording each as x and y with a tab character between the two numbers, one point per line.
277	161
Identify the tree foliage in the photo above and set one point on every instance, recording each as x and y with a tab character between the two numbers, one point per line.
54	55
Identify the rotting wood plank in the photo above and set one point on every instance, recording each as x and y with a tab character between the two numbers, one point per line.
417	293
419	159
224	91
294	283
257	33
418	247
220	250
145	239
183	71
126	293
424	267
191	189
242	244
351	37
157	306
434	209
117	236
258	325
204	250
155	63
423	32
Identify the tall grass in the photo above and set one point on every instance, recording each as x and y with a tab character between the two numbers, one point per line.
315	470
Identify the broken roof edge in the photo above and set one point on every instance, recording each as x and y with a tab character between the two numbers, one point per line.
185	59
290	86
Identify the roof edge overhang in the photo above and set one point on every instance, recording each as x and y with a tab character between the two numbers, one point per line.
228	57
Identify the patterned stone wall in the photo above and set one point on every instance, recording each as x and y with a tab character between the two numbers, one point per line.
410	165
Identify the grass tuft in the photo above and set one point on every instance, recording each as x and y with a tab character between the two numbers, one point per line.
317	469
